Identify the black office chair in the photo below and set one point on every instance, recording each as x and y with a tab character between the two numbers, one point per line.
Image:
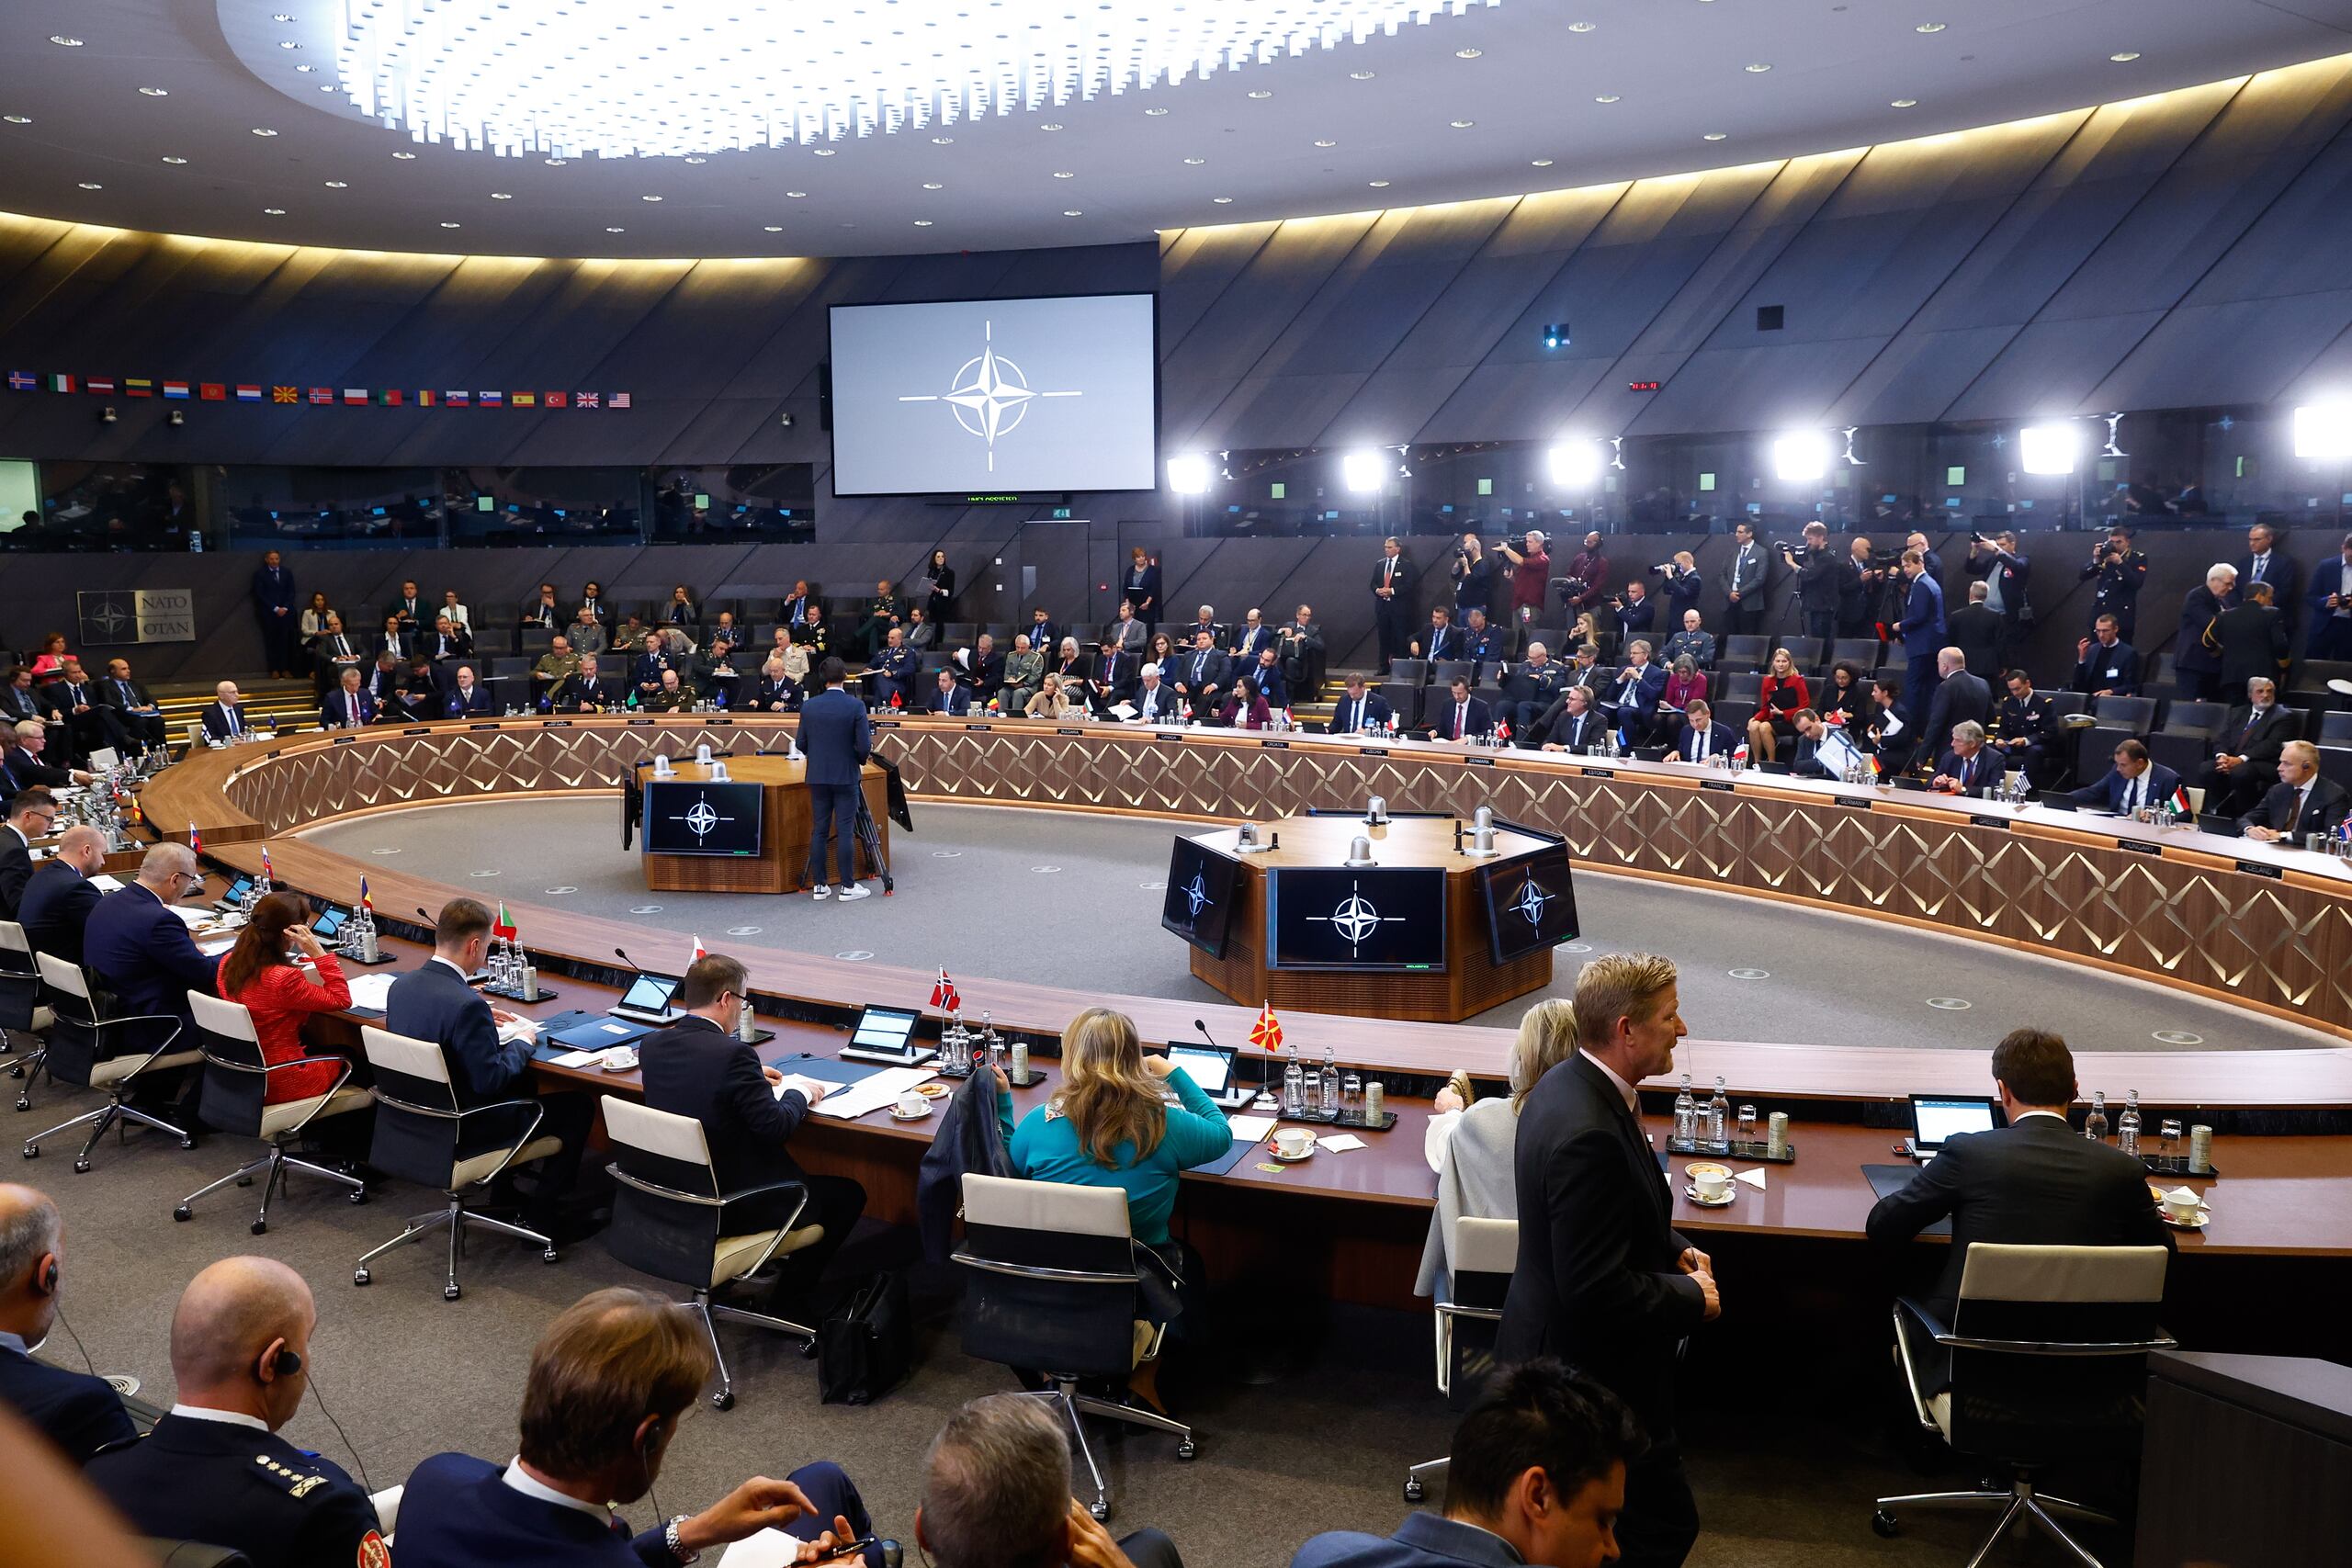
194	1554
113	1054
1443	673
2048	1348
236	1087
670	1221
1404	700
1804	651
1743	686
1746	651
1862	652
1409	671
21	1011
2202	720
422	1136
1055	1287
1470	1313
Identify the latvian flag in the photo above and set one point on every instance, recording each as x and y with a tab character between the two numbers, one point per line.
23	381
61	383
249	393
99	386
280	394
586	400
213	392
617	401
457	400
522	400
137	387
176	389
557	400
391	397
490	400
354	396
322	395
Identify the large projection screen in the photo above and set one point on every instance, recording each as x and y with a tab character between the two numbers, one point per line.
996	396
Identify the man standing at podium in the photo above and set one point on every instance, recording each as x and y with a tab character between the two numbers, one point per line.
835	734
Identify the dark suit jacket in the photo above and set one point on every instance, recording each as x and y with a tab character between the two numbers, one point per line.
1959	696
55	909
696	1069
2199	610
16	870
1636	620
2037	1183
2284	573
1439	719
1196	671
1164	703
1598	1282
2091	674
196	1479
1989	770
2160	782
1402	582
954	700
2252	641
834	733
2259	741
1647	689
2323	809
148	958
1976	632
77	1412
216	721
1555	723
576	693
466	1517
1923	617
433	1002
1423	1540
984	676
335	709
461	703
1720	742
1349	714
273	589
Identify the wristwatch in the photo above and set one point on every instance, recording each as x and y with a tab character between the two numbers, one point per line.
677	1549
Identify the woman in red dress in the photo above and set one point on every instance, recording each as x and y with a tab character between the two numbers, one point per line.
257	974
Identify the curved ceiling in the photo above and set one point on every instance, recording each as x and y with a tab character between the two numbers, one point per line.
152	119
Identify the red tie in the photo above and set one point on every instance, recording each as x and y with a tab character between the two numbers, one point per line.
1461	716
353	703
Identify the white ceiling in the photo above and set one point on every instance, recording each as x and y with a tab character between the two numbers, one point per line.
1678	70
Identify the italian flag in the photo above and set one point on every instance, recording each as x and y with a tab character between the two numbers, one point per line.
504	925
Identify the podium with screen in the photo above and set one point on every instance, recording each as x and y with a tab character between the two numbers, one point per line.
1410	936
746	833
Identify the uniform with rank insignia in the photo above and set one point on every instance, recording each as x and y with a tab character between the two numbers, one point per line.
224	1479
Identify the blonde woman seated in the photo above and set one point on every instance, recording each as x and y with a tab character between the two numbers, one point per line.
1471	1144
1050	703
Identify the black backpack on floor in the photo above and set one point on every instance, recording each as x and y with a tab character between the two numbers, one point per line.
866	1347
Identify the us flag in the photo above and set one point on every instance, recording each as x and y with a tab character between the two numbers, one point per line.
617	401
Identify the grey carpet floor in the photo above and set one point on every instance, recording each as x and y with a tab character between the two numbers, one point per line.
994	891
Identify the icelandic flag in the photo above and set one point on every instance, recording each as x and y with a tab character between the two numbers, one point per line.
22	381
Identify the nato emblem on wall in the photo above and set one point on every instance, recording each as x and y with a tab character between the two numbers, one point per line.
120	617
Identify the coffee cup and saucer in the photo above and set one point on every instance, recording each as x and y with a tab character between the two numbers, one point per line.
910	1106
1293	1144
1711	1184
2183	1208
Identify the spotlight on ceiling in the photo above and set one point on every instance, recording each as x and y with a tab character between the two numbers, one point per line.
2323	430
1575	464
1361	472
1802	456
2052	449
1556	335
1188	474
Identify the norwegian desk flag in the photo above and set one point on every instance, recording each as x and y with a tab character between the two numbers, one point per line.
1266	1033
943	994
504	925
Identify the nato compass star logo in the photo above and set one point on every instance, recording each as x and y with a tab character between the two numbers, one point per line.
1196	894
1530	902
113	614
1357	921
989	396
701	818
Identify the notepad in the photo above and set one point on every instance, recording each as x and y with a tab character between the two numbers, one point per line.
872	1092
1250	1129
576	1059
810	1088
370	991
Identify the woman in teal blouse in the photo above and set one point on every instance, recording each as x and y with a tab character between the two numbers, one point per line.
1108	1126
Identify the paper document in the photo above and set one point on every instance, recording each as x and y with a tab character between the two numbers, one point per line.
848	1103
521	1028
1250	1129
213	947
577	1059
106	884
371	990
811	1089
1340	1143
192	914
763	1549
1124	710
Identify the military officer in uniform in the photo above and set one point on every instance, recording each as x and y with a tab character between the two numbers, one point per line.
2030	735
672	696
214	1470
556	666
893	672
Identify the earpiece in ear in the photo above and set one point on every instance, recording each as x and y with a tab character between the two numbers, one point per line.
285	1364
49	1278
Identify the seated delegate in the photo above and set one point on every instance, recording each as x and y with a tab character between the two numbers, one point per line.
76	1411
1470	1144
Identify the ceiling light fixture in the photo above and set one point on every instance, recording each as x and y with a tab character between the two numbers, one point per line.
1929	28
1361	75
61	42
92	185
1262	93
287	43
615	229
281	17
307	70
1326	143
1065	174
501	195
1222	201
648	198
943	141
339	185
1606	98
774	228
558	162
1584	26
795	194
1904	104
1462	124
2126	57
169	159
1050	125
1197	162
1154	114
273	212
1468	54
827	152
1540	163
698	159
1757	69
405	157
922	222
17	119
154	92
1377	185
329	87
262	130
932	184
453	225
1072	212
1716	135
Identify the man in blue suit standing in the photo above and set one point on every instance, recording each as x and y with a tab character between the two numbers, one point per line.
835	734
145	956
281	628
2134	782
1923	635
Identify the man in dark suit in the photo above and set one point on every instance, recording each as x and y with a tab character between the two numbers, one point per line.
1391	602
1249	638
2268	562
1301	642
20	704
593	1435
469	698
1460	717
835	734
1602	1281
146	957
1538	1474
1967	766
2027	722
448	643
1532	688
948	697
133	709
585	691
1202	677
2299	803
1701	739
1112	679
893	672
1637	613
348	706
215	1470
1922	629
338	651
697	1068
2034	1182
74	702
1156	700
1571	724
274	608
2250	639
2246	756
77	1412
2132	782
1959	698
1743	581
410	606
1442	640
1358	709
1817	582
435	1001
224	717
55	909
541	609
32	814
2197	667
2105	665
1630	701
21	767
2330	635
1975	630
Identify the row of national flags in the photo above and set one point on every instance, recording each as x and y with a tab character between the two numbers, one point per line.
311	397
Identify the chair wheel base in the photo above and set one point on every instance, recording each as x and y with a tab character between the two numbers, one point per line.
32	1151
1884	1523
24	1103
81	1167
260	1228
361	1277
1414	1490
244	1182
450	1292
548	1255
808	1351
1099	1509
188	1142
723	1400
183	1213
358	1195
1188	1450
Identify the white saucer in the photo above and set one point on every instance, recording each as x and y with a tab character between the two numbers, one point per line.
898	1115
2204	1217
1290	1159
1723	1202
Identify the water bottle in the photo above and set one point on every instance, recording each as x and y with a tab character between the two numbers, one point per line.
1686	1114
2127	1126
1310	1098
2095	1124
991	1045
1294	1086
1718	1113
1329	1100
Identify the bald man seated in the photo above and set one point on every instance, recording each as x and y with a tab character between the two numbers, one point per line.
77	1412
56	903
214	1470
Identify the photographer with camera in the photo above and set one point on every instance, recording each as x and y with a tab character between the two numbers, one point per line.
1997	563
1474	577
1531	574
1816	581
1679	585
2121	572
1744	582
1635	611
1862	578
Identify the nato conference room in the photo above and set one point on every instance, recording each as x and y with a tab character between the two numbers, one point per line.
975	783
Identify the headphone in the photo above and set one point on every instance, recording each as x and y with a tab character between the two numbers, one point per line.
49	1278
285	1364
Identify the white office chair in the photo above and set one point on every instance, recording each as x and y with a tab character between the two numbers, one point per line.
108	1054
2049	1347
1055	1287
423	1135
670	1219
1484	1256
236	1088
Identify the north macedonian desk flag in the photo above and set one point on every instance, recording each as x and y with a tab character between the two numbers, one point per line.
1266	1033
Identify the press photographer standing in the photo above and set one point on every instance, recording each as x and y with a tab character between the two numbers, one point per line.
1474	578
2121	572
1817	582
